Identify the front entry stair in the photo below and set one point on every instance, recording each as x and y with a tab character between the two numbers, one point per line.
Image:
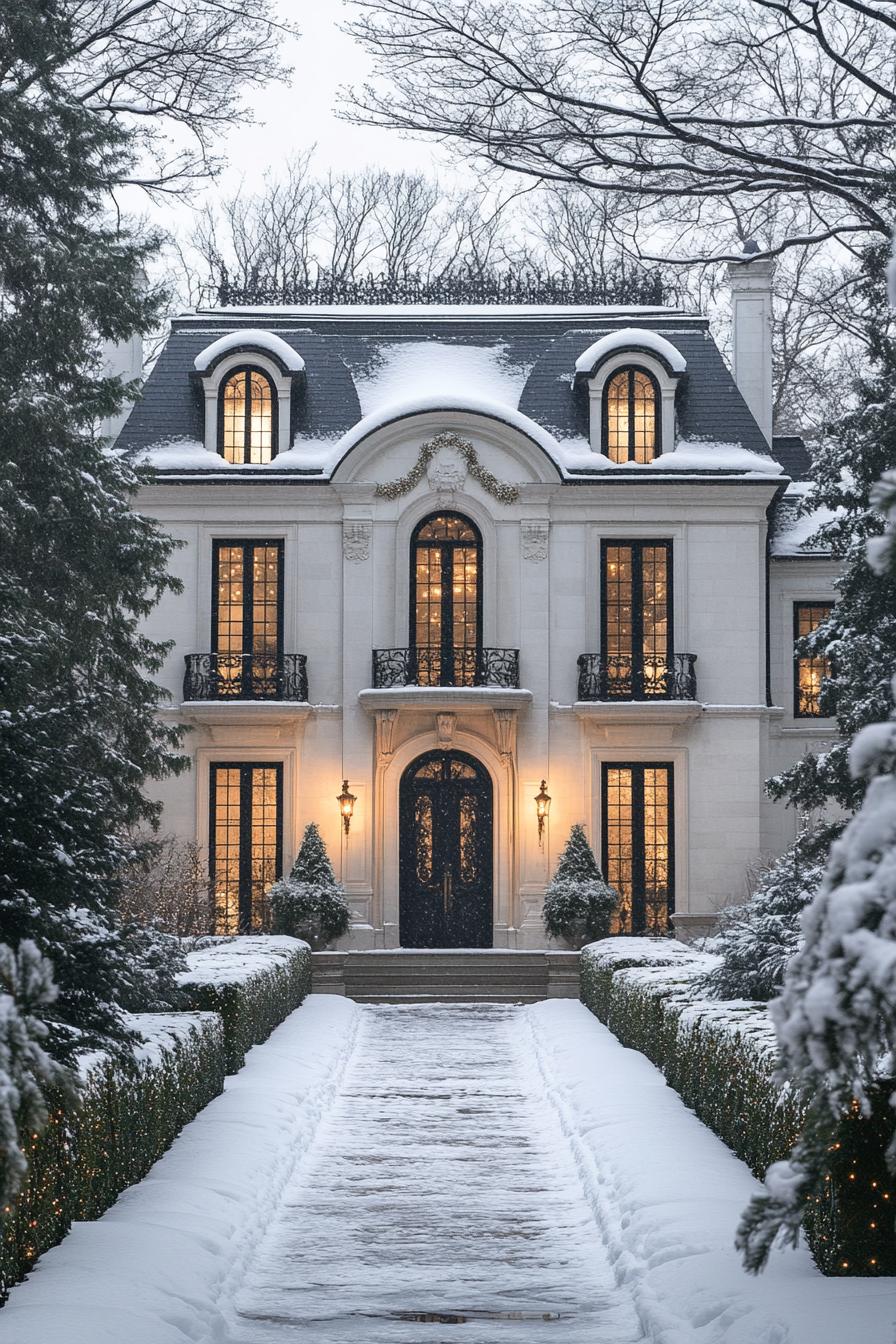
409	975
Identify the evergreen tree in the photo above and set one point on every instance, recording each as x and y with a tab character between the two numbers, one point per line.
836	1018
756	939
79	731
860	635
577	859
312	861
578	902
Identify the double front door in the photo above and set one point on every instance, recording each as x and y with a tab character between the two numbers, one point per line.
445	864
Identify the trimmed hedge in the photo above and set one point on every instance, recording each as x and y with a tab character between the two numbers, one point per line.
253	982
720	1057
128	1115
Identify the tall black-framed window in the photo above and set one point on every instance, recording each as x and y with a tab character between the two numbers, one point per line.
247	417
245	841
809	670
247	617
631	416
636	619
446	600
638	843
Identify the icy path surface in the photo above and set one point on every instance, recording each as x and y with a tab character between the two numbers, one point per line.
440	1192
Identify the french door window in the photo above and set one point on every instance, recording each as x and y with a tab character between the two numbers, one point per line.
245	842
638	844
636	619
247	618
446	601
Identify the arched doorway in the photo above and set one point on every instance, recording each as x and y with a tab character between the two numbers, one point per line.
446	600
445	852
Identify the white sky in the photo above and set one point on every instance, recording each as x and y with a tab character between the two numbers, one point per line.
295	116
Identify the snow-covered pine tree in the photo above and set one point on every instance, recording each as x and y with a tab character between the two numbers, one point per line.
78	732
860	635
312	861
578	902
836	1017
756	939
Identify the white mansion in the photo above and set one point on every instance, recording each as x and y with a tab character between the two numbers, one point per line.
445	561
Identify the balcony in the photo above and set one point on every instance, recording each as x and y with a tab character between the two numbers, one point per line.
637	679
242	677
434	666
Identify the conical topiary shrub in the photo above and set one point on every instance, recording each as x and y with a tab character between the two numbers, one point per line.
578	903
310	903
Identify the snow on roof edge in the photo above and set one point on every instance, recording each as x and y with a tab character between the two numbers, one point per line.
631	338
267	341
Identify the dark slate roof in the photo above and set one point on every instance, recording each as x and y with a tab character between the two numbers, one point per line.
339	343
792	453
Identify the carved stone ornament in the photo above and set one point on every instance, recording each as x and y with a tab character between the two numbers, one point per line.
356	541
505	731
535	540
446	476
445	724
385	729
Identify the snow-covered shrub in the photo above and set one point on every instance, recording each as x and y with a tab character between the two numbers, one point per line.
253	982
27	1073
578	902
757	939
310	903
127	1114
836	1018
722	1059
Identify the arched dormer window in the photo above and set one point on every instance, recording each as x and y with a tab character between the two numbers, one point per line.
247	417
631	376
631	416
248	380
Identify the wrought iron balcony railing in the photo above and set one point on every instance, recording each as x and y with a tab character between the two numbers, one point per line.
431	665
246	676
627	678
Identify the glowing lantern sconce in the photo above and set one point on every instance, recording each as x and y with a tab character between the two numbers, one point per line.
542	810
346	803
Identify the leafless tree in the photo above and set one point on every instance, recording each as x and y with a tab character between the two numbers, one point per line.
406	221
173	71
168	888
688	102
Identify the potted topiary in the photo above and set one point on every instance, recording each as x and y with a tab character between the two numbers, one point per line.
578	903
310	903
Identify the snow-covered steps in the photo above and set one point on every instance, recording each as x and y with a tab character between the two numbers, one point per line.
467	975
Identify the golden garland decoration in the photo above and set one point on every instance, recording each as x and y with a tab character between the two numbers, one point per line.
499	490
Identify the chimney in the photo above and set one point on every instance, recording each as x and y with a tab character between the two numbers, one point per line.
751	327
124	358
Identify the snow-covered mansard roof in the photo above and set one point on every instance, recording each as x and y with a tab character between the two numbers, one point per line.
360	369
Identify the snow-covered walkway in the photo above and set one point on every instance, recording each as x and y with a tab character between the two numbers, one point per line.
439	1185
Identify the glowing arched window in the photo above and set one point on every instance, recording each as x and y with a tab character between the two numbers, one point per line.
247	417
631	416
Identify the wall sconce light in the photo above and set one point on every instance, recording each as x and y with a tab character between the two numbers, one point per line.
542	810
346	803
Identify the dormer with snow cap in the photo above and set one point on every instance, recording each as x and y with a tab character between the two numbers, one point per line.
249	381
632	376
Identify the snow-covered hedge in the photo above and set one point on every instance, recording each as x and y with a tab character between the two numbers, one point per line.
127	1117
720	1057
254	983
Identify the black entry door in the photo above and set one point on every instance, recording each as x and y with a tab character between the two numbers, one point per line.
445	843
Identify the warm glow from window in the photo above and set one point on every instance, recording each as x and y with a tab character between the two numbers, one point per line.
245	844
630	416
810	670
638	845
247	417
446	605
